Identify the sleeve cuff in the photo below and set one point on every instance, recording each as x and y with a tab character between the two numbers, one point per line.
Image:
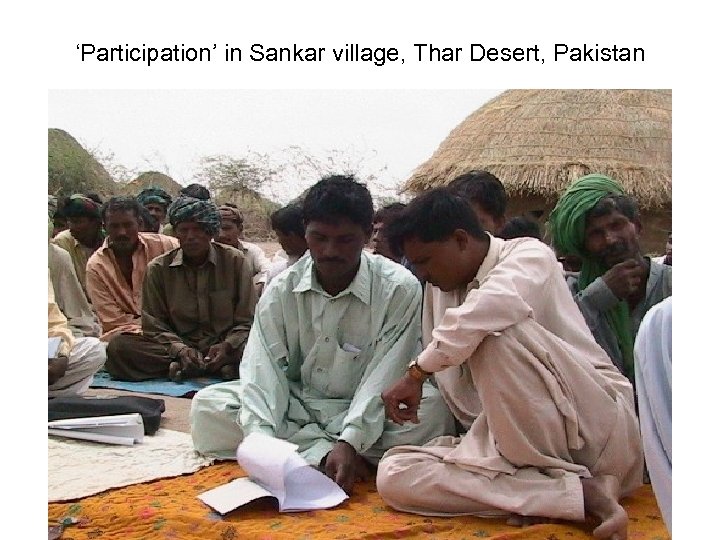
599	296
354	437
433	360
315	454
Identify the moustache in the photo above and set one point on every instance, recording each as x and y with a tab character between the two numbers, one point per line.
613	250
330	260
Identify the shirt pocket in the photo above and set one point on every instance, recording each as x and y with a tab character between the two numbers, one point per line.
345	373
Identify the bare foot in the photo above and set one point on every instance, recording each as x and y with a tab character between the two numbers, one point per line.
516	520
601	496
175	372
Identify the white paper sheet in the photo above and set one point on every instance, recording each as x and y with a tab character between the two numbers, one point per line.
275	469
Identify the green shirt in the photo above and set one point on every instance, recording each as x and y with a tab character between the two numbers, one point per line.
315	365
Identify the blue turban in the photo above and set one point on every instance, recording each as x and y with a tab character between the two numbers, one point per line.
191	209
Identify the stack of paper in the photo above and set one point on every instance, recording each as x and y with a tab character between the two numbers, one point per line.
275	470
124	429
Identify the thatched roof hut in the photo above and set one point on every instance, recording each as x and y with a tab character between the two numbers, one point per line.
538	141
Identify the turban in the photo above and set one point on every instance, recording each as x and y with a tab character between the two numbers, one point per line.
154	195
232	213
81	206
567	231
190	209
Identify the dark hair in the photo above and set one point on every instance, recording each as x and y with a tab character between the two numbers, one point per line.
288	220
519	227
196	190
389	213
149	222
122	204
624	204
432	217
336	197
482	188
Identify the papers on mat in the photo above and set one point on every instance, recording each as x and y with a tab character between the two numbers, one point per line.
53	346
275	470
124	429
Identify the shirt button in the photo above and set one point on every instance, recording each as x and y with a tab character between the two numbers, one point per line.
327	339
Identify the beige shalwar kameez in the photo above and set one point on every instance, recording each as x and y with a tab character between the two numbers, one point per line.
543	404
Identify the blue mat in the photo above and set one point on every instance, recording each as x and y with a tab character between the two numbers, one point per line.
165	387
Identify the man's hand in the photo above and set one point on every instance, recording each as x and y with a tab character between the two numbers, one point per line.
218	355
624	279
56	369
191	359
344	466
406	391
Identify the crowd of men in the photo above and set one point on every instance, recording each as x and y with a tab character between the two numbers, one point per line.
406	343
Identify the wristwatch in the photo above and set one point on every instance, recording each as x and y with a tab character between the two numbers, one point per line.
416	372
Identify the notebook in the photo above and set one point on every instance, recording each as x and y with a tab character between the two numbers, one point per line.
276	470
126	429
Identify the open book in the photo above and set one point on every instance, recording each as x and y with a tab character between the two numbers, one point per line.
276	470
124	429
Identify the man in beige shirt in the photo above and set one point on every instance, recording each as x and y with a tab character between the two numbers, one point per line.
198	303
85	234
115	272
75	360
551	426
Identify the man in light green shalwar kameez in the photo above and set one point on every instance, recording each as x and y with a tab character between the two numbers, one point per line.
329	335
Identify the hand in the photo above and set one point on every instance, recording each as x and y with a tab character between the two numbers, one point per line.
56	369
341	465
406	391
218	355
191	359
625	278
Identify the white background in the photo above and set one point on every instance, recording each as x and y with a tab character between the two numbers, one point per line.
39	54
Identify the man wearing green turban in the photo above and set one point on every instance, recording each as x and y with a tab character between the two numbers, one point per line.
596	221
156	200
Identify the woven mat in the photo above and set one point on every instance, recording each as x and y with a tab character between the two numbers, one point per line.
82	468
169	509
164	387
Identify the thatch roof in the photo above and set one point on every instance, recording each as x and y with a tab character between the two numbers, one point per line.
538	141
153	179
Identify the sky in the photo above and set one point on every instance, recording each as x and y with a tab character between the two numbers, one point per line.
387	133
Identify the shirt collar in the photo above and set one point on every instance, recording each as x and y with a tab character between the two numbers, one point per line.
359	286
490	261
212	256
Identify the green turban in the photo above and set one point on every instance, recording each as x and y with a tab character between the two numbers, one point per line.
566	225
81	206
154	195
191	209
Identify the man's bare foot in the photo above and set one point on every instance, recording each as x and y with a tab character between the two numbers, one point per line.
175	372
516	520
601	496
229	372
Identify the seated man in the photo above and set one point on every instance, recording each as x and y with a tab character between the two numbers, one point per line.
287	223
115	272
653	381
69	295
382	218
551	426
71	369
231	234
156	201
329	333
85	234
197	305
617	285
